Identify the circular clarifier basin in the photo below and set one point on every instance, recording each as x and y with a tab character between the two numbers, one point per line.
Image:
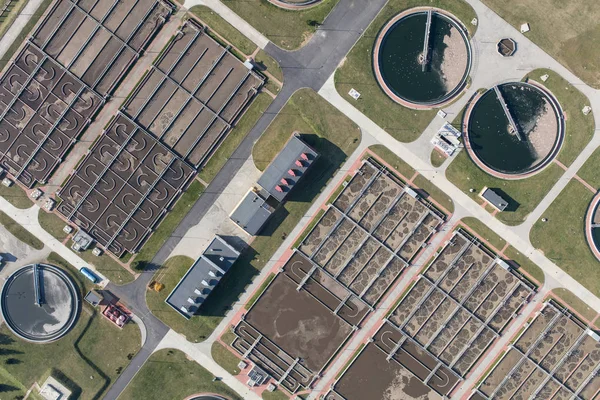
418	72
518	140
39	303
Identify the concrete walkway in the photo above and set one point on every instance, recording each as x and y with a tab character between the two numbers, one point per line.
240	24
19	23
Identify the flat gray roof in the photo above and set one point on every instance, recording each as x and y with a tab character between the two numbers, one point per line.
202	277
252	213
494	199
289	159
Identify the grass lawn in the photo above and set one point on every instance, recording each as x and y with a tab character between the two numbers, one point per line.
525	263
169	374
589	172
24	32
287	29
356	72
266	282
52	224
225	358
195	329
168	224
87	360
275	395
268	63
523	195
436	158
562	237
235	137
19	232
332	135
579	127
486	233
16	196
12	388
567	30
224	28
393	160
568	298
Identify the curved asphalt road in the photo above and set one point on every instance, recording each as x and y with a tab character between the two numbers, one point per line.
308	67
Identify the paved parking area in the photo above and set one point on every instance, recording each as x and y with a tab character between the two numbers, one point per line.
61	78
555	357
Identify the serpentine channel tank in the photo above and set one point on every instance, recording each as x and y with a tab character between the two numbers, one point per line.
401	58
495	143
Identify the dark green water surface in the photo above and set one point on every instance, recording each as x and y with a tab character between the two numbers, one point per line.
488	134
399	58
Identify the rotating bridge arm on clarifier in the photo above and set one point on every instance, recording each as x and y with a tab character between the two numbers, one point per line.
509	116
36	285
426	40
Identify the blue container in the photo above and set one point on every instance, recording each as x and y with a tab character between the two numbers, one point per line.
89	274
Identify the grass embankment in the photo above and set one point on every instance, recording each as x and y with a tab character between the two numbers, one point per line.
436	158
52	224
568	298
562	237
484	232
87	360
590	172
19	232
332	135
426	188
579	128
357	73
170	374
275	395
235	137
567	30
393	160
16	196
224	28
287	29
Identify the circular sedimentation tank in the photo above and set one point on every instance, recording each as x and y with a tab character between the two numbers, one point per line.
39	303
421	65
519	148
